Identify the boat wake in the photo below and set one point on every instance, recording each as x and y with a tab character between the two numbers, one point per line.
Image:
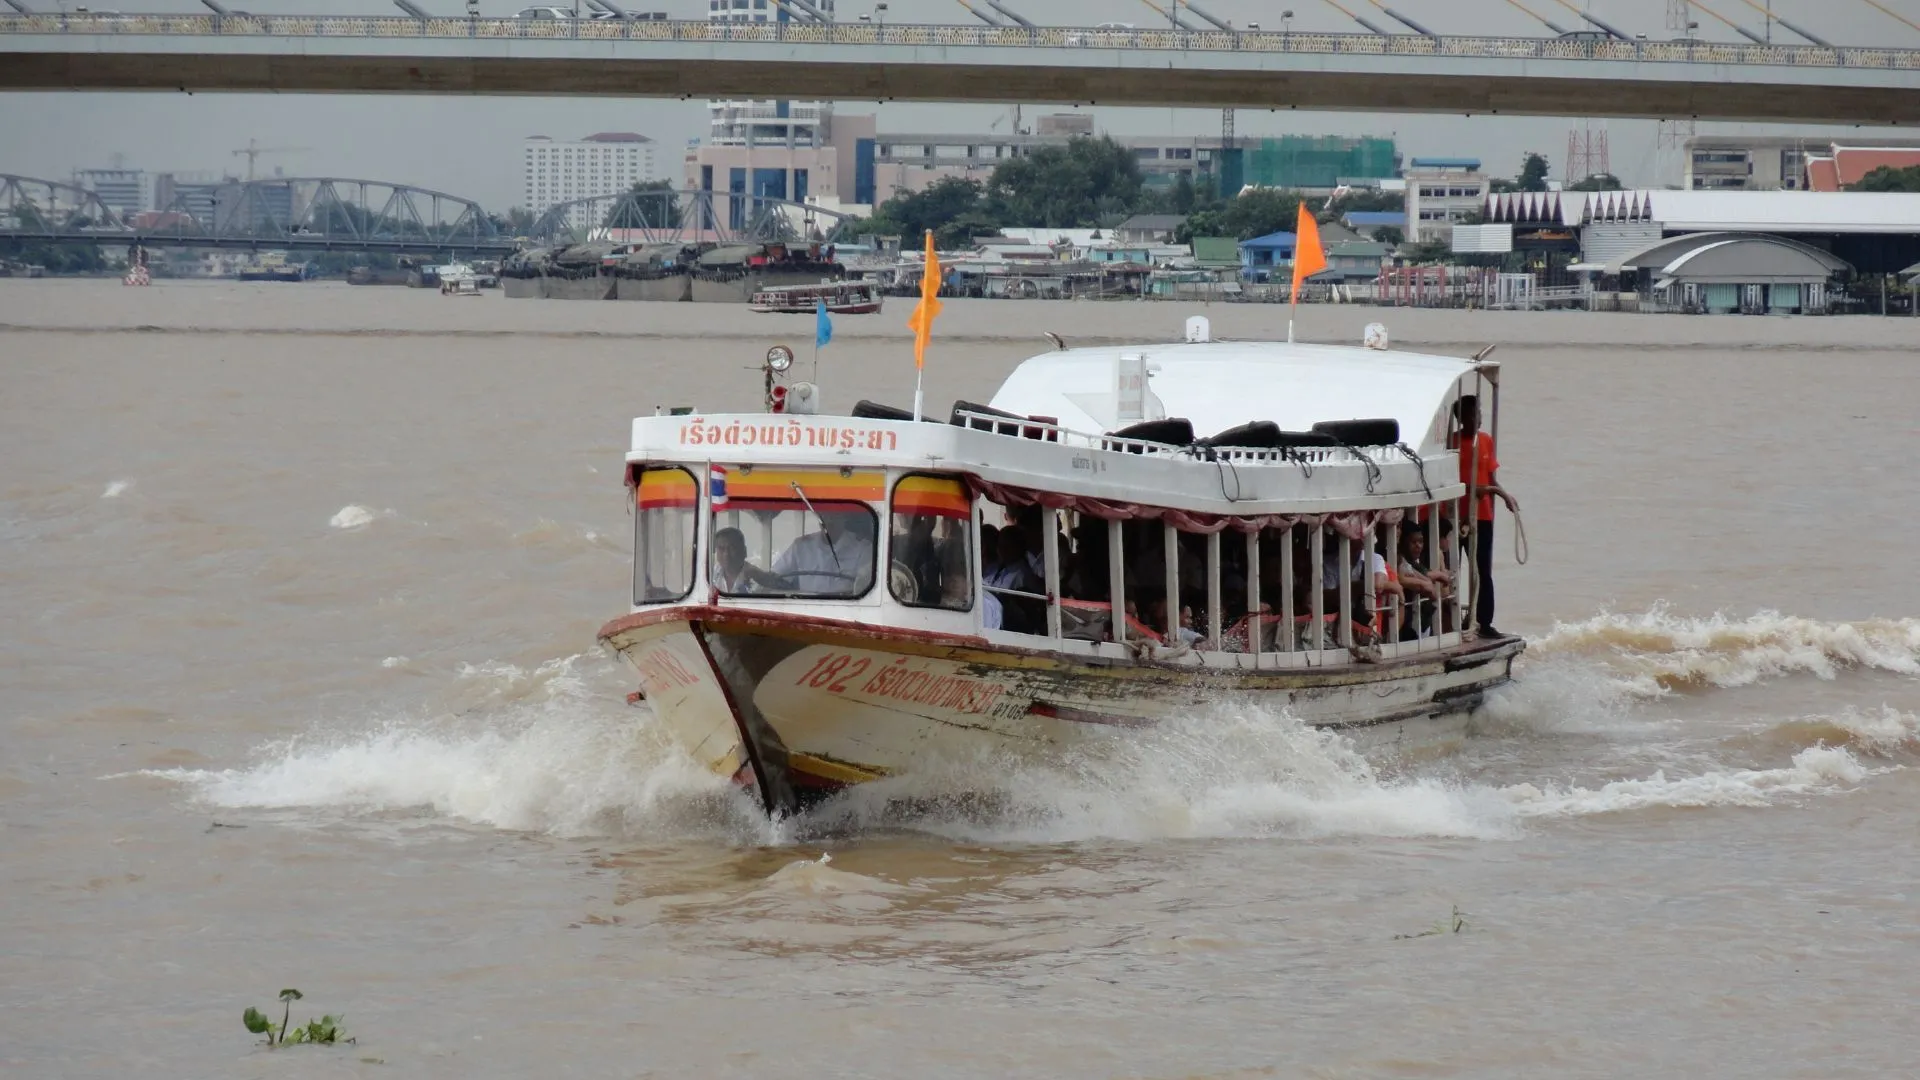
552	748
1659	652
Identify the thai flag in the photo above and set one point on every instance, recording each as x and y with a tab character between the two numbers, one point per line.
717	485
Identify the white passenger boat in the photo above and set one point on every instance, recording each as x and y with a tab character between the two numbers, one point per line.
841	298
825	600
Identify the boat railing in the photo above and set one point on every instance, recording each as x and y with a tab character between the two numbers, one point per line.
1053	432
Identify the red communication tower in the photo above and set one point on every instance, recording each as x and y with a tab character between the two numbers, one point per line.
1587	152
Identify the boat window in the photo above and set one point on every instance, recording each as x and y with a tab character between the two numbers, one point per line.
794	533
931	563
666	505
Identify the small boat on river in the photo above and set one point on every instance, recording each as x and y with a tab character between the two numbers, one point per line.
1122	536
841	298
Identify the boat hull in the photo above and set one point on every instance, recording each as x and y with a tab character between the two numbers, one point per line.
669	288
797	708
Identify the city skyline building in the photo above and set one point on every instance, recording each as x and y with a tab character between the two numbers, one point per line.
556	171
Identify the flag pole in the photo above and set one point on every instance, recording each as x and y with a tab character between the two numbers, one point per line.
917	399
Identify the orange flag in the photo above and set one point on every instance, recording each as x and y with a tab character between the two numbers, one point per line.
928	308
1309	258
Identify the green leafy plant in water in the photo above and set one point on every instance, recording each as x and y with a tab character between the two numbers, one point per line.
1453	925
327	1029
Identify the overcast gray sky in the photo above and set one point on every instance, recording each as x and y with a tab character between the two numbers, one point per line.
470	146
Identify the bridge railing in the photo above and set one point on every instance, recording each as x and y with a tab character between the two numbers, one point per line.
944	36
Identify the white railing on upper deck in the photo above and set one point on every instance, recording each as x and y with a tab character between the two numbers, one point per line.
913	35
1047	432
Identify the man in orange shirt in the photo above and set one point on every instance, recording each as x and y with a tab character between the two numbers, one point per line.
1481	468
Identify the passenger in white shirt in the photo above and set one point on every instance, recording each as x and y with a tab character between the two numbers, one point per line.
836	561
732	575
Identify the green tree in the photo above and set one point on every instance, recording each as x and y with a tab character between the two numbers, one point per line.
1253	213
939	206
649	204
1372	201
1184	196
1533	173
1597	182
1389	236
1888	178
1071	186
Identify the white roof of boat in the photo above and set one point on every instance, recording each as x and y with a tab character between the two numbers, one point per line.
1222	384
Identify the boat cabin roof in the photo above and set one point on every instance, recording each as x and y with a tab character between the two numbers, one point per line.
1223	384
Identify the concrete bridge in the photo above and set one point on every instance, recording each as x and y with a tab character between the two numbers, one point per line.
859	61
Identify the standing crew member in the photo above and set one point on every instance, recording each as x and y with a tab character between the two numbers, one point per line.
1479	467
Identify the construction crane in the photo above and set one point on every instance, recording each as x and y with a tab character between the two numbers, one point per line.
253	150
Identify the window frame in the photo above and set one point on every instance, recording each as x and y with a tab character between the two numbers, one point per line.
694	570
713	526
968	528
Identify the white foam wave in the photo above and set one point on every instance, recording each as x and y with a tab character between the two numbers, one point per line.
550	749
554	774
116	489
1815	769
394	662
1659	651
352	517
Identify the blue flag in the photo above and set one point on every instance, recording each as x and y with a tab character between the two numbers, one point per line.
823	326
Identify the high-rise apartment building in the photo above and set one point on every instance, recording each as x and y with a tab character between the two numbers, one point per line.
127	191
765	123
557	171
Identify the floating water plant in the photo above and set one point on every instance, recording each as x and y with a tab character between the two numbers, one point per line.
1449	926
327	1029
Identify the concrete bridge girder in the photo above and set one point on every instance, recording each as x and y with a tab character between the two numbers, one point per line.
1400	74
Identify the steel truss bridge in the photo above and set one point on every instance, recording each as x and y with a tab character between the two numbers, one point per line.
862	61
339	214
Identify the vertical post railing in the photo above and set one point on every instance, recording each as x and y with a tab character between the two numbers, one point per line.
1345	633
1286	591
1253	596
1370	589
1213	591
1116	582
1171	538
1050	567
1317	554
1396	605
1437	556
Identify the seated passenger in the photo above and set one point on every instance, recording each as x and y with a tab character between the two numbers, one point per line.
1425	585
1019	614
731	573
836	560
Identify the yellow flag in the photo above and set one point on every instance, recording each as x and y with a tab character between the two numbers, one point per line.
1309	258
928	308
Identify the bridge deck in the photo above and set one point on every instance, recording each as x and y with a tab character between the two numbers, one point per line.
1260	69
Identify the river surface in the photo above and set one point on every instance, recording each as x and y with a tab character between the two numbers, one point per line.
299	688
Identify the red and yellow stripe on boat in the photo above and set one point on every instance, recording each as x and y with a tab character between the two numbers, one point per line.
859	485
935	495
661	489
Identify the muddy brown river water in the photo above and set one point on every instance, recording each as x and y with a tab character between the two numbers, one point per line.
299	687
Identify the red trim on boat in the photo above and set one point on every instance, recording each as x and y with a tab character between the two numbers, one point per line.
723	616
1082	716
